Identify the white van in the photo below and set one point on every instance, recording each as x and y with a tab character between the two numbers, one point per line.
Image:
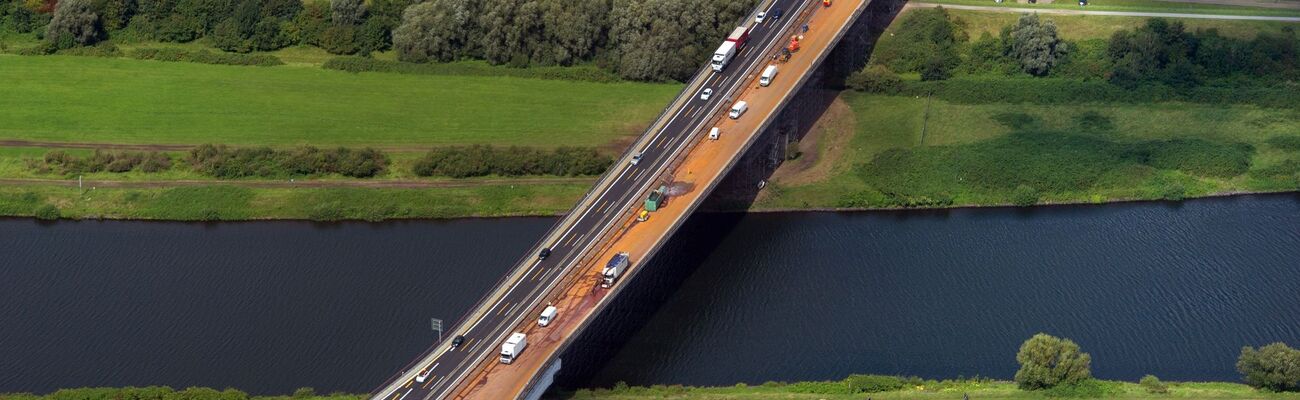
713	133
738	109
769	73
548	315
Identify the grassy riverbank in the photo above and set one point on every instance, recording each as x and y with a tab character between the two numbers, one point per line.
1138	6
976	390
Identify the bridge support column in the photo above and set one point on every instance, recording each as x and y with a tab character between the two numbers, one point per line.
543	381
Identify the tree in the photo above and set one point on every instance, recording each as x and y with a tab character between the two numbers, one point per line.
75	23
117	13
339	39
374	35
308	25
438	30
347	12
267	35
1047	361
1274	367
1034	44
875	79
226	36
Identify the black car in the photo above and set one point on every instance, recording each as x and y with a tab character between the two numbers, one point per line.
776	14
546	252
455	342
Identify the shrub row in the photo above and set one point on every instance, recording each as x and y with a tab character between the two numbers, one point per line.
264	162
101	161
205	57
471	161
363	64
1075	91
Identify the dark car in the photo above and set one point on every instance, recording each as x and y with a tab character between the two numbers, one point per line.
776	14
546	252
455	342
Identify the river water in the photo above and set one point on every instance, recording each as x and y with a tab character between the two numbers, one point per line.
1172	290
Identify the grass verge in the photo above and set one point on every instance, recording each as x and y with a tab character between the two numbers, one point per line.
981	390
225	202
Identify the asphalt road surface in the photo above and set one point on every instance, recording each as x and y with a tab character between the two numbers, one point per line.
448	367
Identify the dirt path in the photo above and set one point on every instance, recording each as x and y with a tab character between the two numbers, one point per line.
832	132
181	147
1111	13
378	184
1291	4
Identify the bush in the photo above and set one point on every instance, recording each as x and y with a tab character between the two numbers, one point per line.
47	212
926	41
264	162
1289	143
472	161
1024	196
101	161
1174	192
1153	385
875	79
362	64
1275	367
101	49
1047	361
873	383
339	39
205	57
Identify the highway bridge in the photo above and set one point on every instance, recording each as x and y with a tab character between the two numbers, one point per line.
674	152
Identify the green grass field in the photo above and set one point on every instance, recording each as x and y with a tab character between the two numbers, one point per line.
969	152
1135	6
975	390
104	100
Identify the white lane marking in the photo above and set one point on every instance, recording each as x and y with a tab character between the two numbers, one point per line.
638	176
408	391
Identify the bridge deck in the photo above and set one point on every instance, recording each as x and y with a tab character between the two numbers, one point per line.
704	165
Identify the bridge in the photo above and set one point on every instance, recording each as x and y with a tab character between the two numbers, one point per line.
675	153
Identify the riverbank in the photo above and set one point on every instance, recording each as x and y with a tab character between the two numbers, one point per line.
981	390
869	152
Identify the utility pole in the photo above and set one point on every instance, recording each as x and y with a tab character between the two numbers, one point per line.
436	324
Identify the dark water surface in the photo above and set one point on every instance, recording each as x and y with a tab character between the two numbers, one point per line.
271	306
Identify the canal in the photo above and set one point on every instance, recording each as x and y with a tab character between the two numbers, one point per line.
267	307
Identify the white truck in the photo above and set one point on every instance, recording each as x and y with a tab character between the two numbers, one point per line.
614	269
729	48
769	74
738	109
514	345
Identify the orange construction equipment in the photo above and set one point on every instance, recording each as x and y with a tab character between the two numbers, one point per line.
794	44
826	3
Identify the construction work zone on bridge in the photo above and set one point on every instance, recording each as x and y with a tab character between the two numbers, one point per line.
580	296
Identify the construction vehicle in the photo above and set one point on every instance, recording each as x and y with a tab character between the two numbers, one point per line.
794	44
643	216
729	48
826	3
656	198
782	56
614	269
513	346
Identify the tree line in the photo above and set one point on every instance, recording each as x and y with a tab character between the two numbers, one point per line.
934	44
637	39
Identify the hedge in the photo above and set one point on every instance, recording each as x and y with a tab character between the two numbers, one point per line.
470	68
171	54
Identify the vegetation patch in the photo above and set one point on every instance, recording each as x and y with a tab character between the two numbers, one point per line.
587	73
1021	164
265	162
173	54
471	161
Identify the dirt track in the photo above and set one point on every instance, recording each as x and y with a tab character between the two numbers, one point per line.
376	184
